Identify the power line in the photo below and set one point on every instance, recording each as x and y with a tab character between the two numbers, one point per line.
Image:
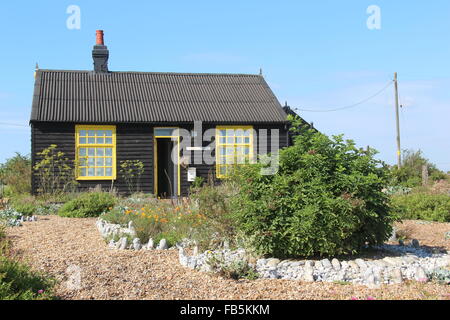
13	124
350	106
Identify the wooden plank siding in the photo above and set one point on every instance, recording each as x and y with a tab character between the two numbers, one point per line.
133	142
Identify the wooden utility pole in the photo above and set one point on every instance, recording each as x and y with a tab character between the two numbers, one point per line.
399	150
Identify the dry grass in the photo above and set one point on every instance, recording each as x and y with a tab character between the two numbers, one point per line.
53	244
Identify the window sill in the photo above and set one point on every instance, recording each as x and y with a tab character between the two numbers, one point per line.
95	178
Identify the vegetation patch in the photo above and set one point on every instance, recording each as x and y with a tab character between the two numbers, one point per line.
156	219
91	204
423	206
18	281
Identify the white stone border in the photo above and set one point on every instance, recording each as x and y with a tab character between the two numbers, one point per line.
411	263
107	230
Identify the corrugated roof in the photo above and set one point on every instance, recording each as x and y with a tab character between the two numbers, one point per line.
118	97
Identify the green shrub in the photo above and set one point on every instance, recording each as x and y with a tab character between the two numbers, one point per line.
26	205
132	171
422	206
15	173
326	199
91	204
55	172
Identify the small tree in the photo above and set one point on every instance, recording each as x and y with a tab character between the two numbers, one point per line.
55	172
411	171
132	171
16	174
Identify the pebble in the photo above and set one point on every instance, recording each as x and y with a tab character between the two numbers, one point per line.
336	264
273	262
137	244
163	245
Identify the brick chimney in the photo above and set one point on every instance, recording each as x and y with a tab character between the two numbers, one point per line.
100	54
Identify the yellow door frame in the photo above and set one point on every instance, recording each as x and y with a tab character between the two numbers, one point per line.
155	155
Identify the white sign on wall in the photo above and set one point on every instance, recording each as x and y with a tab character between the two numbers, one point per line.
192	174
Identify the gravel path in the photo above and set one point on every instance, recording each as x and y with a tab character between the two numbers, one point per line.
53	244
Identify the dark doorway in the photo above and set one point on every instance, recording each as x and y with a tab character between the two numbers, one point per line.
167	170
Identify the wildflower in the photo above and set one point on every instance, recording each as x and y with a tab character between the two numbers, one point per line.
40	291
355	298
370	298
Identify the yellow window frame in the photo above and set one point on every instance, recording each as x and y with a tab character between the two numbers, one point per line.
113	146
233	145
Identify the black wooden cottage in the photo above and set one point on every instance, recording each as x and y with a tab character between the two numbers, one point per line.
100	118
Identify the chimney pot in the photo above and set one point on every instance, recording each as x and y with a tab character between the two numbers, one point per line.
100	40
100	54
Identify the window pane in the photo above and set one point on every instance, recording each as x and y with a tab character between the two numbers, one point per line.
100	133
247	133
222	133
108	141
165	132
100	172
108	133
223	170
91	172
91	140
100	140
230	140
230	151
82	152
82	140
83	162
239	140
83	172
100	162
230	132
108	162
108	152
91	162
82	133
246	150
100	152
91	152
247	140
108	172
91	133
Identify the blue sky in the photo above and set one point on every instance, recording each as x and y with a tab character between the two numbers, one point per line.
314	54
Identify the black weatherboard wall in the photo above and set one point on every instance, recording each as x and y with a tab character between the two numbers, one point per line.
134	142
